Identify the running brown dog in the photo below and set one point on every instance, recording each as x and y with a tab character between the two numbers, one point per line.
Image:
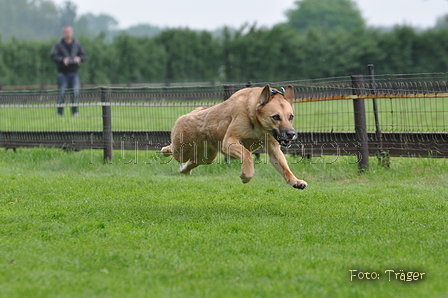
249	119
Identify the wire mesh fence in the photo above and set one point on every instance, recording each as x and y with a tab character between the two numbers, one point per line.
417	114
406	105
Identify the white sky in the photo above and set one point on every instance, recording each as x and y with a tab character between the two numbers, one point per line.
211	14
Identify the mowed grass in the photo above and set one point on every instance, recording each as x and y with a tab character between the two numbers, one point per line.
398	114
72	226
91	118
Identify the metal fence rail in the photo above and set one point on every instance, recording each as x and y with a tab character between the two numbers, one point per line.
374	86
411	112
309	144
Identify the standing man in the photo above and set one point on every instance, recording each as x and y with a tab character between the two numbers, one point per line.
68	55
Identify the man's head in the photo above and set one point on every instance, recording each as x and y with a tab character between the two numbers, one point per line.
67	34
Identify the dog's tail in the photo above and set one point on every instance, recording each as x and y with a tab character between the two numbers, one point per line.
166	151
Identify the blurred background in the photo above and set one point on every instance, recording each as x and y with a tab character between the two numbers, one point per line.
142	42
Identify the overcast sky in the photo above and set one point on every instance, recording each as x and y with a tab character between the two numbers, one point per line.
212	14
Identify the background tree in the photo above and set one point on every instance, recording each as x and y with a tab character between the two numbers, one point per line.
325	15
137	60
442	22
90	25
191	55
43	20
24	19
143	30
318	48
256	54
68	14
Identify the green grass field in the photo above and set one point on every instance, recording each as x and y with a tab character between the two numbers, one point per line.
123	118
72	226
398	114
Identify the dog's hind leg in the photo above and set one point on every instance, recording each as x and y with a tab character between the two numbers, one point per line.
167	151
201	153
187	167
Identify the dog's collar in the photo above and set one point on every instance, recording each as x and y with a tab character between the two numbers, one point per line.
275	91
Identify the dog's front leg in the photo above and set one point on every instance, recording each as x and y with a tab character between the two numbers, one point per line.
278	160
233	148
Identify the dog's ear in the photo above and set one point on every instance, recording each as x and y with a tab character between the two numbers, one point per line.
265	95
289	94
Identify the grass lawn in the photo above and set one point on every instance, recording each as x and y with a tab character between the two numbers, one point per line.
74	227
123	118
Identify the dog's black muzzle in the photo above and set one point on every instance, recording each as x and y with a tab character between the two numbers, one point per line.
284	137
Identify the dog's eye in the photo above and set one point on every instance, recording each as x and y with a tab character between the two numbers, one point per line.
276	117
291	117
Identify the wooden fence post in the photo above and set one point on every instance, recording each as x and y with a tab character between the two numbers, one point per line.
360	123
378	133
107	124
228	91
383	157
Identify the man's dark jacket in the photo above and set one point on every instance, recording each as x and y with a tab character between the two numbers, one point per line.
61	49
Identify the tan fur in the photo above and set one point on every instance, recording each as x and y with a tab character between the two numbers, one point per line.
237	127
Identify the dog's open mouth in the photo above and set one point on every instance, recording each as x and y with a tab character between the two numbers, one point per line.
282	139
285	143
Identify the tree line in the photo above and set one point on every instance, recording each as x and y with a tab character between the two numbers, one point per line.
319	40
248	54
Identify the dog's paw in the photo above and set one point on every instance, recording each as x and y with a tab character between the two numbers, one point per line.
166	151
184	170
245	178
300	184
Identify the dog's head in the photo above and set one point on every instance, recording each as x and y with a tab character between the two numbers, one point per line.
276	114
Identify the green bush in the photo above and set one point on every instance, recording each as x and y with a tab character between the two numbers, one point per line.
249	54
